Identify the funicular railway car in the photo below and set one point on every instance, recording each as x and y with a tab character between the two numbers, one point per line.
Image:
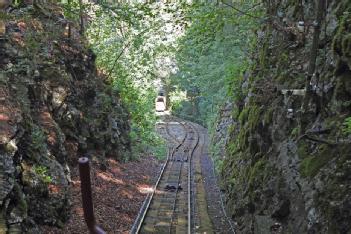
160	102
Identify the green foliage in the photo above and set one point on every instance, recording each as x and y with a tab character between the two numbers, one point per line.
159	148
42	173
347	126
211	57
295	132
131	41
244	114
71	9
196	50
256	172
4	16
254	117
249	118
268	116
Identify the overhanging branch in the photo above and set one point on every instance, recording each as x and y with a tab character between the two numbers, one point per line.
241	11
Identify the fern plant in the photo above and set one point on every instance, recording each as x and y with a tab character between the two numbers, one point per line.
347	126
42	173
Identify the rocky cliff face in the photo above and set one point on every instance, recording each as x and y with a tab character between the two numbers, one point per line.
53	108
219	136
288	163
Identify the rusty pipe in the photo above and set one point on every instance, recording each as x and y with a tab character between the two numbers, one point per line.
88	207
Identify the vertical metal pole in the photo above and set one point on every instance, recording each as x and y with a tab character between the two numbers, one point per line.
85	185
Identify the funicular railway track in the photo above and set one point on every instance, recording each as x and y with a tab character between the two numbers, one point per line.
169	208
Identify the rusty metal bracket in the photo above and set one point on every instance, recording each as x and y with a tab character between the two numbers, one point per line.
85	185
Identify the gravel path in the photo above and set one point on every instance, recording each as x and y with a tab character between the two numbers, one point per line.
220	222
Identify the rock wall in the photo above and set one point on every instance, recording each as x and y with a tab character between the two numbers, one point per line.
219	136
54	107
287	167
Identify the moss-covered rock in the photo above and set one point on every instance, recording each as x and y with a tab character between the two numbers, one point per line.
54	109
286	168
311	164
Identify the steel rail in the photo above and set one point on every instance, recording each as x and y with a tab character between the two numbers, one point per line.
146	204
175	199
189	159
169	156
152	195
190	178
180	143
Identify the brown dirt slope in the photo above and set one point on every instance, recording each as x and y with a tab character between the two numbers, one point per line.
118	194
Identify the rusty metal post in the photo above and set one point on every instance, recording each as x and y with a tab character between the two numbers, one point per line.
85	185
3	5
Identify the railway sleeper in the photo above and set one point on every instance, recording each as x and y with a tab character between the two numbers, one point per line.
165	214
166	199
